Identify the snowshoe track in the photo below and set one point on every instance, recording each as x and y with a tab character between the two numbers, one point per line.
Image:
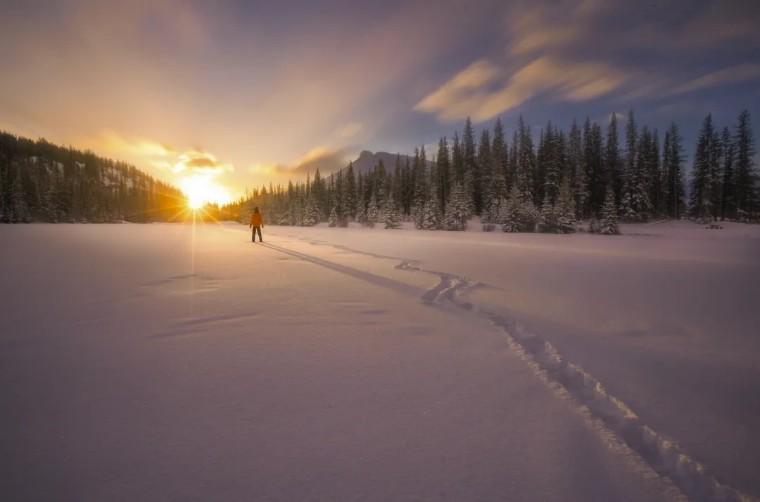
661	454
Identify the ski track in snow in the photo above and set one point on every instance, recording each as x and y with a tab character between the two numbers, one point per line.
663	455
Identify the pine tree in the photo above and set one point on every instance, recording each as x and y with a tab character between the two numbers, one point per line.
332	220
392	217
472	174
526	161
728	195
421	189
350	191
612	164
565	209
548	220
19	205
673	162
500	160
579	182
431	219
457	210
635	205
310	213
484	161
509	214
655	176
361	211
443	170
608	224
700	203
744	149
372	212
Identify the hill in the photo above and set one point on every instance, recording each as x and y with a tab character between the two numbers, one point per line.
40	181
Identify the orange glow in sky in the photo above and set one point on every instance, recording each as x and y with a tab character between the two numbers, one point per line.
202	189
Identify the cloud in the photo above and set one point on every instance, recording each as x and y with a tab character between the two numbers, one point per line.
349	130
730	75
198	161
202	161
159	155
471	93
112	141
327	160
582	50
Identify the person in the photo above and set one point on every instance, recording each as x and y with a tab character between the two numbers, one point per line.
257	222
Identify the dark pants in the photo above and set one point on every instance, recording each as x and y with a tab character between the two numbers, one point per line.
253	234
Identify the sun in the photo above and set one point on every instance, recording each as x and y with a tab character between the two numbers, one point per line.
201	190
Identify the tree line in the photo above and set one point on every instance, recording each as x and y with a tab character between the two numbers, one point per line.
40	181
546	184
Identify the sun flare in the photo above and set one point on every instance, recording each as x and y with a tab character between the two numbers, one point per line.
201	190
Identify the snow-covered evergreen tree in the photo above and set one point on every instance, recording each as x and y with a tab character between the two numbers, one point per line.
310	213
746	178
565	209
392	217
608	223
431	218
673	166
332	220
457	210
548	220
701	202
373	212
19	205
579	182
509	213
361	212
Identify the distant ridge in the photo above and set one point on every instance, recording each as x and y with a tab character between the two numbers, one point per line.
368	160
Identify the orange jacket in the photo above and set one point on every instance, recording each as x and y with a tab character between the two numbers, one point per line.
256	220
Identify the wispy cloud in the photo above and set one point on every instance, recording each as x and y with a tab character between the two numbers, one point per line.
582	50
471	93
349	130
730	75
326	159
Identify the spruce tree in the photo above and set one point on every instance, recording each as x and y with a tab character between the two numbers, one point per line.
509	214
635	205
443	171
673	166
548	220
608	223
575	162
499	161
565	209
20	208
744	149
310	213
332	220
457	210
612	163
350	191
728	194
526	161
472	174
372	212
361	210
392	217
485	169
431	218
701	200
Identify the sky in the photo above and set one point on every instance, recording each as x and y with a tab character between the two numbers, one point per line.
230	95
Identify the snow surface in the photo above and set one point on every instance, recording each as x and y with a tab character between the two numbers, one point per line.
164	361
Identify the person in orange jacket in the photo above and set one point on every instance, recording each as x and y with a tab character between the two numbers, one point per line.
257	222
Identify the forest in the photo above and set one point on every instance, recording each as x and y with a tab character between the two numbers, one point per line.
548	184
43	182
